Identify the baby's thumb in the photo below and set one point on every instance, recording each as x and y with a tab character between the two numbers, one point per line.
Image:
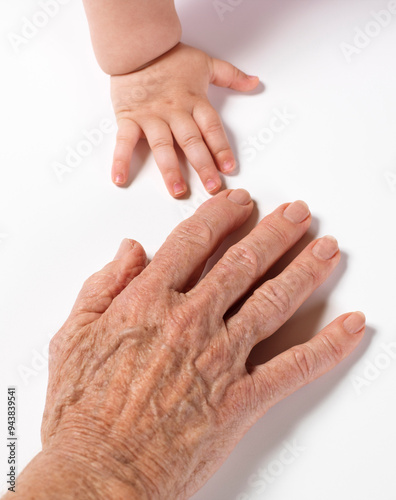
226	75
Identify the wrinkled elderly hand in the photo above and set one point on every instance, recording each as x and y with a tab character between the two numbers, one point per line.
150	387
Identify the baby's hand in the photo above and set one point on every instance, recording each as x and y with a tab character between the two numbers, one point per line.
168	99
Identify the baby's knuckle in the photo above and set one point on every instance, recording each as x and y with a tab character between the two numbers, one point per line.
190	140
123	139
161	143
213	127
221	150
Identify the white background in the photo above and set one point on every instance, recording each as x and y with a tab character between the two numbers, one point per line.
338	153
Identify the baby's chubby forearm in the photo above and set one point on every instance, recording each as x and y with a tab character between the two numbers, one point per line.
127	34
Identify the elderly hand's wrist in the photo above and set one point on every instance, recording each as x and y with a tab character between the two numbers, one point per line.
65	474
107	472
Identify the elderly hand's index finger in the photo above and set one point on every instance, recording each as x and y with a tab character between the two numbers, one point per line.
194	240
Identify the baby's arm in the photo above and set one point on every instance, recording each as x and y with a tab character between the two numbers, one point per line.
159	90
127	34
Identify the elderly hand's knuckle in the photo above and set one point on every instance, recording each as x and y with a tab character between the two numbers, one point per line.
264	384
305	361
277	296
92	285
278	234
89	284
333	349
244	257
198	231
178	332
307	272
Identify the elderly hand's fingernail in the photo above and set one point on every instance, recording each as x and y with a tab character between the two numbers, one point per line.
325	248
240	196
125	247
355	322
297	212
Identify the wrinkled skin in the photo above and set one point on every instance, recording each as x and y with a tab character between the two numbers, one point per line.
150	387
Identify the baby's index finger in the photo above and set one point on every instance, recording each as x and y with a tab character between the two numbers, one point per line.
128	136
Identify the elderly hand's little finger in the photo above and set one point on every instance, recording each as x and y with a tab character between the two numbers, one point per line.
302	364
274	302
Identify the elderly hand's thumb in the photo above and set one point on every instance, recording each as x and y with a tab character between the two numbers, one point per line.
100	289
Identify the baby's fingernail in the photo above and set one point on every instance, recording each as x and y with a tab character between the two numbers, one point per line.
251	77
211	185
297	212
355	322
325	248
240	196
119	179
228	166
178	188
